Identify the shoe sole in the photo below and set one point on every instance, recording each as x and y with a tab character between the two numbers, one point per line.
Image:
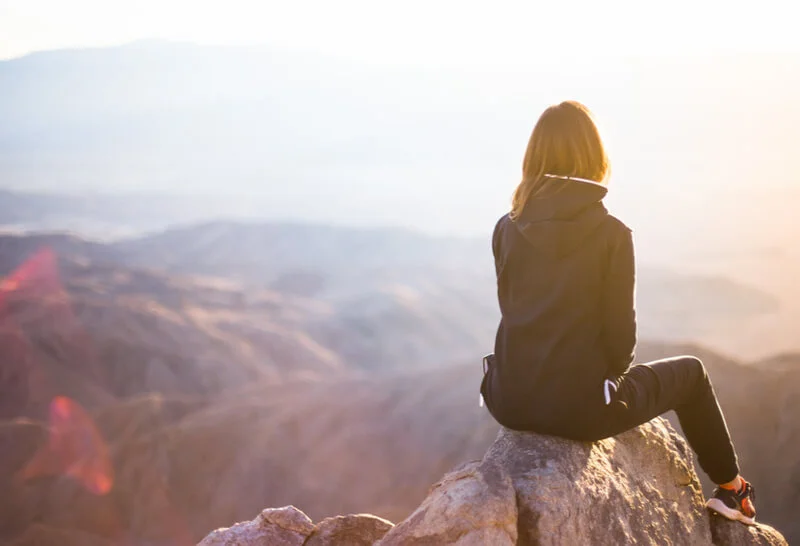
725	511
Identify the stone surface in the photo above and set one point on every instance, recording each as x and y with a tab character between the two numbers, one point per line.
352	530
288	526
637	488
473	505
532	490
285	526
731	533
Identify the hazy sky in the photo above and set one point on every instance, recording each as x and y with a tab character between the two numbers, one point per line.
413	31
675	127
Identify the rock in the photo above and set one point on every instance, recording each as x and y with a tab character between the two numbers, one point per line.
730	533
637	488
474	505
285	526
353	530
288	526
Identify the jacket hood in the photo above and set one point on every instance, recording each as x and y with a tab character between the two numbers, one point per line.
560	218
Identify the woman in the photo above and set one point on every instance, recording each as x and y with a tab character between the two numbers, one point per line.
565	344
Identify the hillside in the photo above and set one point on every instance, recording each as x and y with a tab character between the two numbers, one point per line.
355	445
434	294
530	489
95	331
100	216
357	269
334	399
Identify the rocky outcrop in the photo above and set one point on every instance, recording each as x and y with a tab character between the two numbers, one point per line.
727	532
285	526
637	488
353	530
288	526
466	507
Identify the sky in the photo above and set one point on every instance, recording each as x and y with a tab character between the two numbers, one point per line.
409	32
467	44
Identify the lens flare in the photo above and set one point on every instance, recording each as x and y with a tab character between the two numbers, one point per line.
8	285
38	275
37	317
42	335
74	448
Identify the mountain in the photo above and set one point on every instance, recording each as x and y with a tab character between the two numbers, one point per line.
386	440
294	396
101	216
357	268
124	140
354	445
203	322
178	378
95	331
268	252
534	489
362	296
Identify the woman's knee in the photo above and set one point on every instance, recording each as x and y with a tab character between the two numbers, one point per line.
696	368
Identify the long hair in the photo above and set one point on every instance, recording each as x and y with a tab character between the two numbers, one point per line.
565	143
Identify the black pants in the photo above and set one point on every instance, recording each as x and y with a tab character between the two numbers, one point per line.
681	384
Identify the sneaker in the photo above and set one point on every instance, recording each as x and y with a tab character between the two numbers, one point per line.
735	505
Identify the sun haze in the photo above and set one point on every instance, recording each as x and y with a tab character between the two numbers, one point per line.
418	31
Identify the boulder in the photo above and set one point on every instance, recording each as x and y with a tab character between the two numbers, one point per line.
288	526
637	488
353	530
469	506
285	526
726	532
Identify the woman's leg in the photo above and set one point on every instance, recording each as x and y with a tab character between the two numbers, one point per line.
681	384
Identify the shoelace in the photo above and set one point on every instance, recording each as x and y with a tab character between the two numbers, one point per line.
750	491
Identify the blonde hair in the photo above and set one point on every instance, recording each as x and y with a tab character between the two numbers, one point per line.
565	143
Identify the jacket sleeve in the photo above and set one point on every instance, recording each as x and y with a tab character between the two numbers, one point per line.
619	312
496	251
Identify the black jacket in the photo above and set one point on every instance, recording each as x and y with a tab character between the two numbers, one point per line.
565	283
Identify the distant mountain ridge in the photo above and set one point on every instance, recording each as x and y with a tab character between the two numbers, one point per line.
353	445
407	278
102	216
174	333
284	398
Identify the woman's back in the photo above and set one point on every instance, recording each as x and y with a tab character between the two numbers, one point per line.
552	352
